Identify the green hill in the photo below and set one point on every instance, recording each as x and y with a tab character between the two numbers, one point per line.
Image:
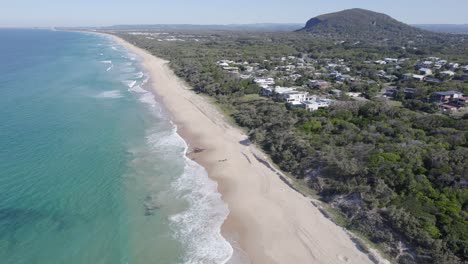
360	23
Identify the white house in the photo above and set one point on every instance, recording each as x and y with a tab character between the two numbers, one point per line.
390	60
315	105
447	73
425	71
418	77
454	65
426	64
270	91
224	63
297	97
264	82
433	59
344	77
353	95
408	76
249	68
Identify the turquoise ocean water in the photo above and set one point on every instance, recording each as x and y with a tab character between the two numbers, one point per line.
91	169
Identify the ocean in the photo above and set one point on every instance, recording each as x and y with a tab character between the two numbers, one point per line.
92	170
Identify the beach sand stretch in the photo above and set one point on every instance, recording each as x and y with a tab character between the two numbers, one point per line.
269	222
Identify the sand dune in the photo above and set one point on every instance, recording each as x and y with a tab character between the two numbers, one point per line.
269	222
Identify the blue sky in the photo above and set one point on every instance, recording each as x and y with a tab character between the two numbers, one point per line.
25	13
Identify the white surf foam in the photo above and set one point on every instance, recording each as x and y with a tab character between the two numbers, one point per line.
199	227
110	67
137	89
129	83
127	69
148	98
139	75
106	61
114	94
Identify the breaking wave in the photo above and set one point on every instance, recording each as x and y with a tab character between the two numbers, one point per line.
110	94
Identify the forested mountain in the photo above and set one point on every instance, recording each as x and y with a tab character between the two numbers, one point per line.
359	22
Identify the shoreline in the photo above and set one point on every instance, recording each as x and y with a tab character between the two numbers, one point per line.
269	222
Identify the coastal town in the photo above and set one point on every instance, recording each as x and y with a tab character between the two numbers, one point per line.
372	122
311	84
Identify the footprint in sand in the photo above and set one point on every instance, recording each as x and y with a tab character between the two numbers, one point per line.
343	258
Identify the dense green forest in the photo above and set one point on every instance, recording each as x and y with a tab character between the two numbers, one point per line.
398	174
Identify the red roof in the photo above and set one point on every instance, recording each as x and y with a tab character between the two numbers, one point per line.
448	106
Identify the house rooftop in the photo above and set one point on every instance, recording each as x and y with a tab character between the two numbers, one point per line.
446	106
446	93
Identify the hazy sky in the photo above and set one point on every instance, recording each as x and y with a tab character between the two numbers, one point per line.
110	12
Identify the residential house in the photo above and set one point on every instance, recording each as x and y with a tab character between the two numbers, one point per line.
391	92
317	104
447	107
408	76
426	64
390	60
295	96
264	82
343	77
453	65
447	74
224	63
353	95
249	68
390	77
231	69
401	60
432	80
410	92
319	84
381	72
295	77
279	91
296	104
418	77
460	102
334	74
446	96
425	71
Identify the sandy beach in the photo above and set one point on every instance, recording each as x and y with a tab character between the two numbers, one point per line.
269	222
